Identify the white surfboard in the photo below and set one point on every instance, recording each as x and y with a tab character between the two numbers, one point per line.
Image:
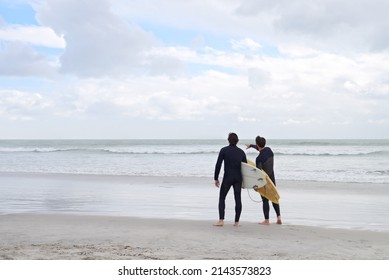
259	181
253	178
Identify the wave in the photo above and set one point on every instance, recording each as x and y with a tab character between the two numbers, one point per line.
130	151
313	154
379	172
159	152
36	150
100	150
332	143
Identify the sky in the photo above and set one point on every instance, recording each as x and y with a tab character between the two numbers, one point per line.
172	69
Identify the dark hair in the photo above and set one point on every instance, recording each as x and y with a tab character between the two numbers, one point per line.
260	141
233	138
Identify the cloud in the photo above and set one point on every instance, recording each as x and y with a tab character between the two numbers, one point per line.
19	105
341	26
98	43
35	35
158	98
245	44
331	25
166	65
17	59
286	67
258	77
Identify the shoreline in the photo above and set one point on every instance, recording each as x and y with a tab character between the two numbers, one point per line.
78	237
121	177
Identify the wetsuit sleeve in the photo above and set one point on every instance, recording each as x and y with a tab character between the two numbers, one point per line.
219	164
253	146
259	163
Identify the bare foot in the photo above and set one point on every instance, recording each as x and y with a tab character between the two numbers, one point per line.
236	224
279	222
219	223
265	222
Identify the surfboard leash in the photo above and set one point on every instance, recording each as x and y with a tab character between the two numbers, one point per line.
257	201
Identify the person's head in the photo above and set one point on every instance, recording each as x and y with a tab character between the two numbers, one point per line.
260	141
233	138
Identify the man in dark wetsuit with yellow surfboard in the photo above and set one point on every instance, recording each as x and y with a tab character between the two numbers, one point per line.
265	161
232	156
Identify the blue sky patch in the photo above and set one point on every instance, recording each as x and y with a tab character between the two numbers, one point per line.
22	14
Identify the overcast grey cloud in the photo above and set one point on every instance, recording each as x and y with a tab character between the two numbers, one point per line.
331	24
18	59
98	43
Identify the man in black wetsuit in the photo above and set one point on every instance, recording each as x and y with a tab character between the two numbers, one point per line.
265	161
232	157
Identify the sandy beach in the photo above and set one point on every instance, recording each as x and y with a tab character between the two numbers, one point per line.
31	237
166	218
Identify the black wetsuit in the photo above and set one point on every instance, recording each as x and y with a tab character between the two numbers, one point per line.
232	157
265	161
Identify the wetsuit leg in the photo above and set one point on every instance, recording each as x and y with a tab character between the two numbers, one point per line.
266	207
275	205
224	188
277	209
238	200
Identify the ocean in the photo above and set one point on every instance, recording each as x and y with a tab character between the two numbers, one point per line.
360	161
330	183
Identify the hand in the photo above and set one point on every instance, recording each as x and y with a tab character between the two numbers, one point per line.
247	146
217	183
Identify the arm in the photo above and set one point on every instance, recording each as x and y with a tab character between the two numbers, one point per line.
244	158
218	167
248	146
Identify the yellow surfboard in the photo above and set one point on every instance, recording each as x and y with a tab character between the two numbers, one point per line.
269	190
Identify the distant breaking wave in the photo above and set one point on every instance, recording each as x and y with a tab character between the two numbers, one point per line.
99	150
375	153
37	150
172	152
159	152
